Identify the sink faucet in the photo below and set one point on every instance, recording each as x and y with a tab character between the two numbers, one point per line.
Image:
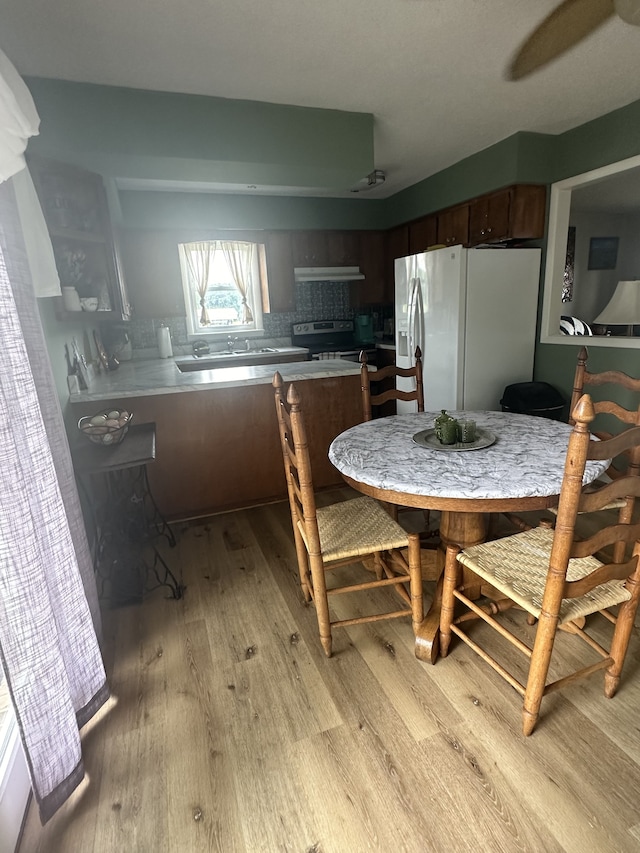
247	345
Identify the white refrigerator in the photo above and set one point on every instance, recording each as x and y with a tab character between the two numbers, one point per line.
473	314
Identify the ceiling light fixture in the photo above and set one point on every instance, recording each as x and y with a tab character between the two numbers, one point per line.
373	179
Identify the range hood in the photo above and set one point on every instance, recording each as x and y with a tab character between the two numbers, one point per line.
328	274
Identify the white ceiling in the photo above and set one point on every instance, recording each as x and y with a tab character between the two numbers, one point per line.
432	72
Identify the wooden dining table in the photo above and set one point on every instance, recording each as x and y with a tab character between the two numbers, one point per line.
516	465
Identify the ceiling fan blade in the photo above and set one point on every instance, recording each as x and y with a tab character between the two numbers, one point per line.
568	24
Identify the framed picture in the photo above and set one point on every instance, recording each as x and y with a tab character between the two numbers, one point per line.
603	253
569	263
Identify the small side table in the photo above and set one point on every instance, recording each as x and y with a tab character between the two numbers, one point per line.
126	519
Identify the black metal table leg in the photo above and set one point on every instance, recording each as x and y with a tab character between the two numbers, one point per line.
125	518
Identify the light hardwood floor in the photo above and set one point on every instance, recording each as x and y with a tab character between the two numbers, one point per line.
229	730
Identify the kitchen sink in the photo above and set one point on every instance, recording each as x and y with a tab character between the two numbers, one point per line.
240	352
239	358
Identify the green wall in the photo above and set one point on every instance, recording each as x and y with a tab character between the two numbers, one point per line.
133	133
613	137
146	135
522	158
218	210
557	364
163	136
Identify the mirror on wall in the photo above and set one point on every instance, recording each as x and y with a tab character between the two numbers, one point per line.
593	258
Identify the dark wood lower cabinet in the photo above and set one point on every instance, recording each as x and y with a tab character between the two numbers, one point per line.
219	449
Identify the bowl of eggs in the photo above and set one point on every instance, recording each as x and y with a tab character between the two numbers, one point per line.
106	428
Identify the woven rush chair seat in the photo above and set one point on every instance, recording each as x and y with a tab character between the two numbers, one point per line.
355	528
557	577
517	566
343	534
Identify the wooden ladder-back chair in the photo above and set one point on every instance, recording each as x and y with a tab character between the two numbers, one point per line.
627	464
391	371
626	416
344	533
619	418
555	576
374	378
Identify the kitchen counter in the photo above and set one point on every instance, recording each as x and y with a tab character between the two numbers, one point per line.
161	376
218	446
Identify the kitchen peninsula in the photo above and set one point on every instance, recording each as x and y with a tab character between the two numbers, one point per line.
216	430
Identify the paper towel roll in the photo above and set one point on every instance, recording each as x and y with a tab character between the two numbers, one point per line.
164	342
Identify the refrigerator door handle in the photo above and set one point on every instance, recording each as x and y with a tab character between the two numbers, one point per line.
419	319
412	316
416	318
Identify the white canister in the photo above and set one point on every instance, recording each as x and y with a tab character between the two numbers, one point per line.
70	299
164	342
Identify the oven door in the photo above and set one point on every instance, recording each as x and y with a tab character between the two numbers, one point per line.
346	355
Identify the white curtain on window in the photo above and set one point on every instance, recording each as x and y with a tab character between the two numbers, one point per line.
199	258
240	257
49	615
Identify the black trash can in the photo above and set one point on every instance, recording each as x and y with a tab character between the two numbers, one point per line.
534	398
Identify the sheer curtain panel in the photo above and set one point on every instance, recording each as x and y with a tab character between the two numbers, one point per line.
198	258
240	257
49	615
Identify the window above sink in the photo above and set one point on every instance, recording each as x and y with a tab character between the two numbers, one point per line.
222	285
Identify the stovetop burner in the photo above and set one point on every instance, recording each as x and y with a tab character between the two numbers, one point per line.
324	335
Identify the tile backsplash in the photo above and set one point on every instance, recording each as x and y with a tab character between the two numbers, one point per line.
329	300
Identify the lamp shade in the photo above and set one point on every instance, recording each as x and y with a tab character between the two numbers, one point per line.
624	306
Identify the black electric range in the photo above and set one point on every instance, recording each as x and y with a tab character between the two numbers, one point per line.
331	339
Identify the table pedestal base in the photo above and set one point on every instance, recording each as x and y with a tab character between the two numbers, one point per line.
456	528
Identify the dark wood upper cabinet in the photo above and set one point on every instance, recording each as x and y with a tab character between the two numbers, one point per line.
372	290
278	272
453	225
397	247
513	213
423	233
325	248
310	248
343	248
74	203
398	242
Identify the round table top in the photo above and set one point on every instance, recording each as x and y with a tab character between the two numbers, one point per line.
526	461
